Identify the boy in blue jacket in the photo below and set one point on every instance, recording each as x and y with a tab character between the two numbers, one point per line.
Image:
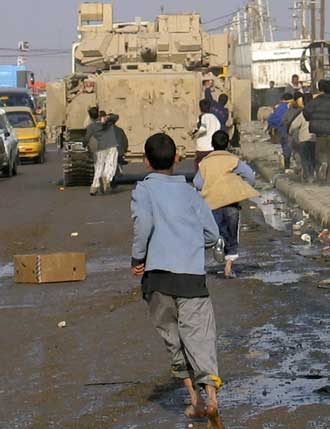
172	227
276	121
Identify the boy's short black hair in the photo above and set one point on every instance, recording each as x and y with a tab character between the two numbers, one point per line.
102	114
220	140
160	151
93	112
286	97
205	105
223	99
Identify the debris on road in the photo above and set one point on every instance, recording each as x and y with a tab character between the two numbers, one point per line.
101	222
62	324
326	252
325	390
50	268
324	236
324	284
307	238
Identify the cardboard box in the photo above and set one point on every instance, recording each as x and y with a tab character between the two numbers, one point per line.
52	268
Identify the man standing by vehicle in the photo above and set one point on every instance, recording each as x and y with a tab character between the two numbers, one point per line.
101	138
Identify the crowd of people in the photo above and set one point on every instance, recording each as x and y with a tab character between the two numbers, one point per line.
301	124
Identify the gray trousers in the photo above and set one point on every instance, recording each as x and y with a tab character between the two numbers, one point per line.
187	326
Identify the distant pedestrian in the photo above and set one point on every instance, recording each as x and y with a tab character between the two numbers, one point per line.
317	113
122	146
276	122
272	96
172	226
218	107
207	125
295	107
222	181
306	142
101	135
294	86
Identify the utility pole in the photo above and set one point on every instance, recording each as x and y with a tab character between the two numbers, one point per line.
313	20
304	32
314	61
269	21
322	25
295	19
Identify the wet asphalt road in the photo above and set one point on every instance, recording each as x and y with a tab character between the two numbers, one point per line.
108	368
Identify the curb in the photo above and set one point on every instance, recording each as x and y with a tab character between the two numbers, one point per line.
305	196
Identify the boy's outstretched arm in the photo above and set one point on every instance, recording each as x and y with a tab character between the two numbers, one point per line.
246	173
143	224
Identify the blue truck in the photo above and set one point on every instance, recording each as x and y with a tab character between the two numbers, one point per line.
12	76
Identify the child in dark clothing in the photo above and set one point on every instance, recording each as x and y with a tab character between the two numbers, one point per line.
172	227
276	122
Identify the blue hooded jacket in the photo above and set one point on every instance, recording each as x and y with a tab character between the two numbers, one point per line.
275	120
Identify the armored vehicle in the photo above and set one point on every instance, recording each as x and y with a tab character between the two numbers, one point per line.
149	73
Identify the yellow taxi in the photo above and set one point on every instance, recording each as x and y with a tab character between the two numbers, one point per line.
31	140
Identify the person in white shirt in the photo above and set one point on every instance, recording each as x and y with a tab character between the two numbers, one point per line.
207	125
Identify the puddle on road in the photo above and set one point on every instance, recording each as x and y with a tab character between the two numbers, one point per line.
6	270
108	262
289	366
277	277
274	209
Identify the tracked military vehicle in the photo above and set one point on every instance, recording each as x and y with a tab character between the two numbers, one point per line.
149	73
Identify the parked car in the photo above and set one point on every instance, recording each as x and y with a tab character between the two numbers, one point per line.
30	133
13	97
8	146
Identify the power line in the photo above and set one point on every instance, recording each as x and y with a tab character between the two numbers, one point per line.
219	18
35	51
36	55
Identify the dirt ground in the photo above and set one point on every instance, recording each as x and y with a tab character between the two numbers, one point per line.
108	369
